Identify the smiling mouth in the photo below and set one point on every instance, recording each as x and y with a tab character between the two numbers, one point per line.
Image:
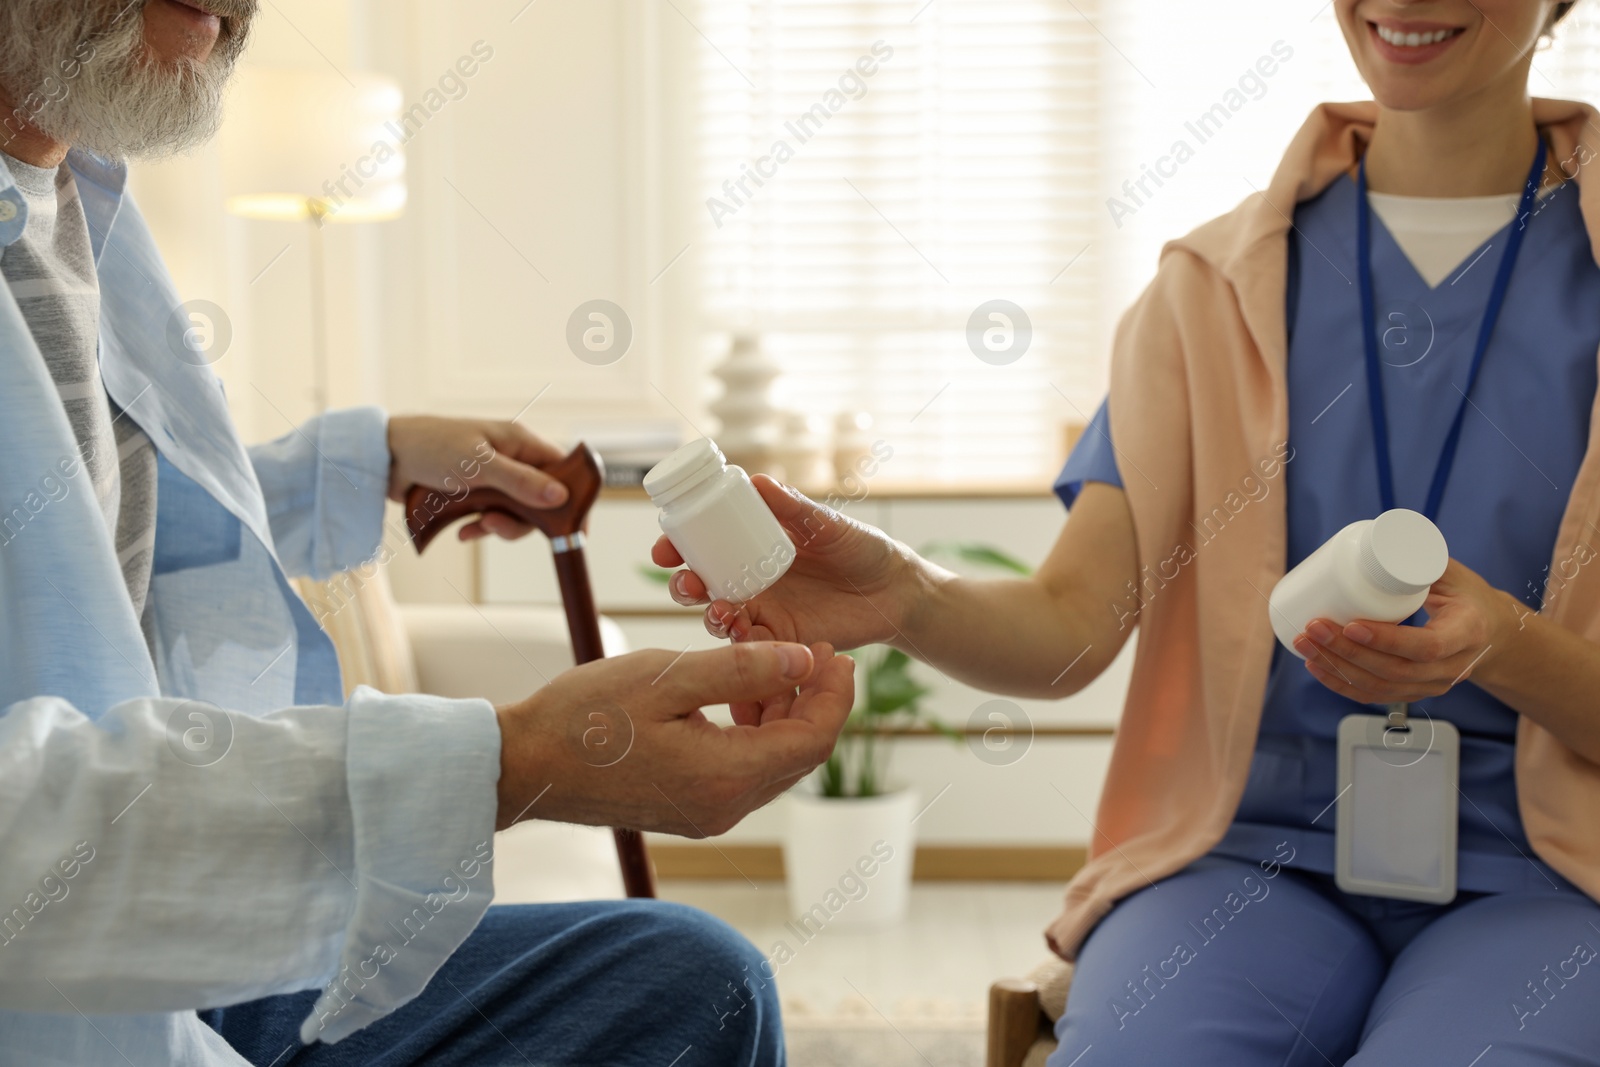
1398	38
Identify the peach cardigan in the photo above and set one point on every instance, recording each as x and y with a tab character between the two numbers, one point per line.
1199	399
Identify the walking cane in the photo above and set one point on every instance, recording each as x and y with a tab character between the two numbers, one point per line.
429	512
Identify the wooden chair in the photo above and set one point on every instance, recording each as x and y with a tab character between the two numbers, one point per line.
1023	1013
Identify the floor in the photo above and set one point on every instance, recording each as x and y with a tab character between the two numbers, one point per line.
915	993
911	995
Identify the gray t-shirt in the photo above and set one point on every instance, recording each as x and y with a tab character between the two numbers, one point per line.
51	273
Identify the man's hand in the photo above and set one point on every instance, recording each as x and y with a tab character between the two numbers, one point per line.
623	742
1469	624
455	455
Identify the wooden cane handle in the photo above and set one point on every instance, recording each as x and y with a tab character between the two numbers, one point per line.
429	512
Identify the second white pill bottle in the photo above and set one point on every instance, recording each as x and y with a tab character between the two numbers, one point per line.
718	522
1375	569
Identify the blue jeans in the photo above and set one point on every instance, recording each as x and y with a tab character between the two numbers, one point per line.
1221	964
613	983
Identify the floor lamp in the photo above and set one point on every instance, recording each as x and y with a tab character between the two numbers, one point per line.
319	147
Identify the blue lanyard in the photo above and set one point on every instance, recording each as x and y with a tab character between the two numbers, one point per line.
1369	325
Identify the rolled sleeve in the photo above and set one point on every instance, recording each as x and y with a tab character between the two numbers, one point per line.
421	780
1093	459
325	484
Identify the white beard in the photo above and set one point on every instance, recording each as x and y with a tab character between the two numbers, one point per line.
77	71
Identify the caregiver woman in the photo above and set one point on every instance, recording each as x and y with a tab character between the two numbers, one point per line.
1206	926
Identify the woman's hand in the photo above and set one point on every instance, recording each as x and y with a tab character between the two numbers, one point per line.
456	455
1469	624
849	583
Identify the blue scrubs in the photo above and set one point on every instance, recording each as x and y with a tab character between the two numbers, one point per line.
1521	445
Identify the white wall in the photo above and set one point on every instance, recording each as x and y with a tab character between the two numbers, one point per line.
259	272
528	196
531	195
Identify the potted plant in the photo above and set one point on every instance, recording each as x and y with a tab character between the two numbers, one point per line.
850	843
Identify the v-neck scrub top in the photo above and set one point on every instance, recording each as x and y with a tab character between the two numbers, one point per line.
1523	438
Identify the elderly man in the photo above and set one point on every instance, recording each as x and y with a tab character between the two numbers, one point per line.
209	856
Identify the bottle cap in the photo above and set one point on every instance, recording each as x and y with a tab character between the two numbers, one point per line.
685	467
1403	552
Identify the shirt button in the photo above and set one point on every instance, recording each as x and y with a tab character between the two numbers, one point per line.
8	210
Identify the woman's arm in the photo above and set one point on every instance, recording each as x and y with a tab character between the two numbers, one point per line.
1537	667
1046	636
851	585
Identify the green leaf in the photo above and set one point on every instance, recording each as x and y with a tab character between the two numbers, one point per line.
890	686
833	775
979	553
890	695
655	574
859	762
893	660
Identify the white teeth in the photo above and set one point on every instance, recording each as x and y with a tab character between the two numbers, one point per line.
1412	40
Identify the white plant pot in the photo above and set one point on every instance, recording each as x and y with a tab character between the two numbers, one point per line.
848	860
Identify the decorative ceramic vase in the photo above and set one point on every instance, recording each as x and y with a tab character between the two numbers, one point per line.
804	453
749	432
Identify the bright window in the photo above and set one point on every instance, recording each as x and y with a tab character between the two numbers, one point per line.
874	171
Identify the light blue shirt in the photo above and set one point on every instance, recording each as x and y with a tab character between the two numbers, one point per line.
1522	442
202	819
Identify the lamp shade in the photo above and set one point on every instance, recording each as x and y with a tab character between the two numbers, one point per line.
304	143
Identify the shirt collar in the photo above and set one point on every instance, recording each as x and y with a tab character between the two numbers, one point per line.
13	207
101	185
110	176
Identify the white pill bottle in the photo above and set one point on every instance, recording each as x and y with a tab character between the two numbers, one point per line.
1376	569
718	522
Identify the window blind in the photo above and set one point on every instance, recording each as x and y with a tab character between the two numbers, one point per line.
1570	67
960	170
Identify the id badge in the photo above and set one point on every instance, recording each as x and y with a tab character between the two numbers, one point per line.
1398	808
